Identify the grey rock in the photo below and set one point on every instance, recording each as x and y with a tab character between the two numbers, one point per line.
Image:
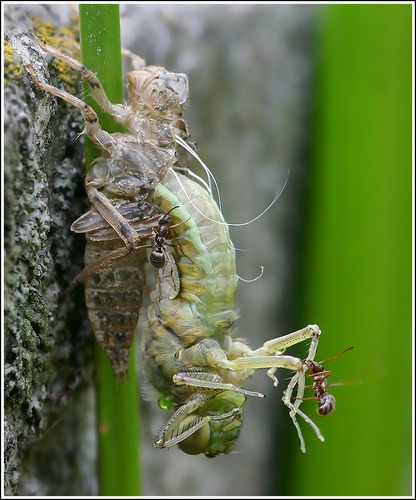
48	346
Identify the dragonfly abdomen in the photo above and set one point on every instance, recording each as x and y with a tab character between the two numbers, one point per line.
205	258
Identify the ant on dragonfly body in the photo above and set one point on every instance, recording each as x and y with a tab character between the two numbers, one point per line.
161	234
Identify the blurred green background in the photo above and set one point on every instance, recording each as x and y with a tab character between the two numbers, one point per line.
357	271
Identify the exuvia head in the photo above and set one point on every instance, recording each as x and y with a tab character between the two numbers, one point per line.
156	90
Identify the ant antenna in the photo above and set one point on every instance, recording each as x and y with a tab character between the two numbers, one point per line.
337	355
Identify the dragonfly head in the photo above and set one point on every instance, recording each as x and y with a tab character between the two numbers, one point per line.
219	433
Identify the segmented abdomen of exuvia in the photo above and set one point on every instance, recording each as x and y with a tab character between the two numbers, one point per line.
114	295
205	257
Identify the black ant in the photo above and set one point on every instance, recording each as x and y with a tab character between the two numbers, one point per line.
161	234
157	257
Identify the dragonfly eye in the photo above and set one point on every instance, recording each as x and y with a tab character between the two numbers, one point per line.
196	443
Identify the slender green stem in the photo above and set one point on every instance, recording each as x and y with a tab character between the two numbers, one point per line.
117	402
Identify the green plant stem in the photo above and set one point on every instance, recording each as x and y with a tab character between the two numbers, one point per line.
117	402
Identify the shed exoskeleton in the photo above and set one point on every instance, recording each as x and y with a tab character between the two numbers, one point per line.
118	184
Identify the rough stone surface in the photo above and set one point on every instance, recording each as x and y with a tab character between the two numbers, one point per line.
47	344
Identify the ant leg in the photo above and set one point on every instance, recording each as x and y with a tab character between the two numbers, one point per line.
178	245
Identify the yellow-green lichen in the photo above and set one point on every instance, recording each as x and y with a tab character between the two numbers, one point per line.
12	66
65	39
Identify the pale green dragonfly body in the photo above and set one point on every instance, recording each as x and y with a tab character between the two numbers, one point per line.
190	355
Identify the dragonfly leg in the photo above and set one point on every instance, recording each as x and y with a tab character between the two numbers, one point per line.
119	112
270	356
172	432
280	344
205	380
119	223
104	261
137	61
93	128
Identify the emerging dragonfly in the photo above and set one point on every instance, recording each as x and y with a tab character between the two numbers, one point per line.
190	355
135	193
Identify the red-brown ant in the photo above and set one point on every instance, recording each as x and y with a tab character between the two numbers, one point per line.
326	402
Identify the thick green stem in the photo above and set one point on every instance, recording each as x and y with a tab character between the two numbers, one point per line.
358	247
117	402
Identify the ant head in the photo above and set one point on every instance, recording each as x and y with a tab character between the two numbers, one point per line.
165	218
